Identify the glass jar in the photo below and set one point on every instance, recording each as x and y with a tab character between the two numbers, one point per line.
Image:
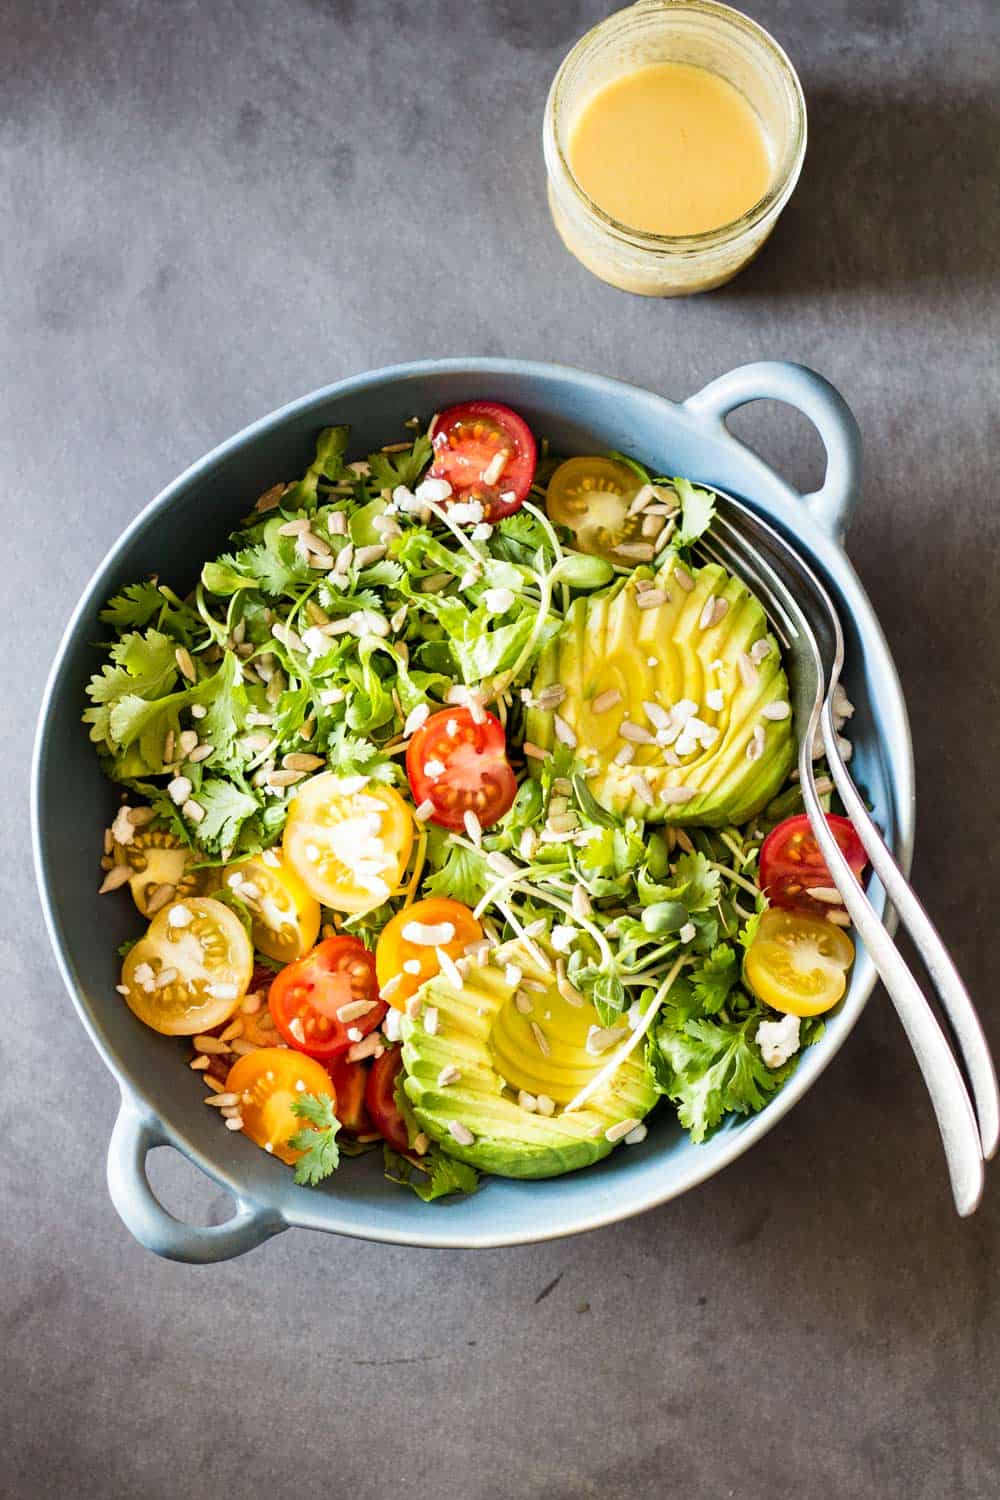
708	35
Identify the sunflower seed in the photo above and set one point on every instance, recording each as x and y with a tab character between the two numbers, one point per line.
635	551
748	672
642	789
620	1129
299	760
115	878
159	899
541	1040
674	795
776	711
182	656
284	778
460	1133
825	893
637	733
650	598
564	734
756	744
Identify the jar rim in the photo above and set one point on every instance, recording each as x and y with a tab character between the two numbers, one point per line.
784	179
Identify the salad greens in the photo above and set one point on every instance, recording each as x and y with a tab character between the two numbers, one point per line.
342	607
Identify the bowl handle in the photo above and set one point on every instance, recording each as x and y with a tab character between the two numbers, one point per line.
134	1135
780	380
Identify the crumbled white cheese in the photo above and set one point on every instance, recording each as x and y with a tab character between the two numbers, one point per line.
433	491
778	1040
179	790
688	932
466	513
429	934
498	601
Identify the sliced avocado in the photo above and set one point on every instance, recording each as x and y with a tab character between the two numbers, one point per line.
481	1032
682	651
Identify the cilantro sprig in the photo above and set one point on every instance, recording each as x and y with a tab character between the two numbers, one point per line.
317	1141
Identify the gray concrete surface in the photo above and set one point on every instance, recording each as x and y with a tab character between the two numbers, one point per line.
211	207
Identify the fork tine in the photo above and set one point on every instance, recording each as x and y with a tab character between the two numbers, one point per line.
739	559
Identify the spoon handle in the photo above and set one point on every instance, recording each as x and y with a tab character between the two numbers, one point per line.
948	984
945	1084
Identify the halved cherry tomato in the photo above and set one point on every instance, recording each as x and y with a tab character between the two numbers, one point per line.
349	1079
308	998
402	965
591	497
460	766
380	1099
284	914
348	843
190	969
791	864
487	453
797	963
268	1083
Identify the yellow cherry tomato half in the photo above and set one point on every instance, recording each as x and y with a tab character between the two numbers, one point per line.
798	964
268	1083
285	914
402	964
591	496
348	840
191	969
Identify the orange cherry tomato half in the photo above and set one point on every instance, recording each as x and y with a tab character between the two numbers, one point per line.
268	1083
314	1001
791	864
349	1079
460	766
402	966
380	1099
487	453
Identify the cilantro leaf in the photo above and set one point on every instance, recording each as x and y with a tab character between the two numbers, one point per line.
444	1175
714	977
134	607
697	510
459	873
712	1068
227	808
392	469
317	1141
140	663
331	445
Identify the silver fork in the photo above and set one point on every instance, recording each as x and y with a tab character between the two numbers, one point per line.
806	624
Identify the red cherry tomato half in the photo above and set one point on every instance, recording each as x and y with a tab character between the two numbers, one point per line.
349	1080
380	1099
306	998
487	453
791	864
460	766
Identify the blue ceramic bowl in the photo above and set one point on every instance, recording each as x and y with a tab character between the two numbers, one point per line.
72	803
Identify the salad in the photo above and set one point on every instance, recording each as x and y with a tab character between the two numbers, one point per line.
458	799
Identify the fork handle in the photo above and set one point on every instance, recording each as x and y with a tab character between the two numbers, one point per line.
952	1106
948	984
